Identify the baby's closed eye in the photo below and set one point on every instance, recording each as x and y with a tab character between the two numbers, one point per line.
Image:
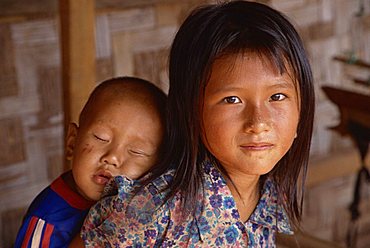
138	152
101	138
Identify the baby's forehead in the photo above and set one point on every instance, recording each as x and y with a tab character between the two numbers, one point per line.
119	110
128	98
125	98
129	93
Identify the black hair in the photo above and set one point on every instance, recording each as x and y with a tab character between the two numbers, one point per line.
216	30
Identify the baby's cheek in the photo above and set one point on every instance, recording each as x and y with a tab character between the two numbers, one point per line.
87	148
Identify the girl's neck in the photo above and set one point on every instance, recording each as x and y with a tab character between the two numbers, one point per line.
246	193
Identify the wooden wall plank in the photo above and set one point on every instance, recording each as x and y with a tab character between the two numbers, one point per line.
78	55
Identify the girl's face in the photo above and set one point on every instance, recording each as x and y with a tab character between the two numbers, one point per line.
250	114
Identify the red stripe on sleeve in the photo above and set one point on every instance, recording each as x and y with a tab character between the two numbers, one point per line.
30	229
47	234
60	187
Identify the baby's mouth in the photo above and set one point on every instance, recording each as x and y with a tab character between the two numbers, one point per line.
102	177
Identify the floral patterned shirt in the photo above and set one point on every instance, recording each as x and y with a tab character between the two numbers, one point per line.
125	219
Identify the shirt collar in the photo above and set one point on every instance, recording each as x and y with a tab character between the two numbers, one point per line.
267	213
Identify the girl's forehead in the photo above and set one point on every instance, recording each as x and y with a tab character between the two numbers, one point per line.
278	63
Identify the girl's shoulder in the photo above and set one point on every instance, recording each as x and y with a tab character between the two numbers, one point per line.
130	211
127	189
151	196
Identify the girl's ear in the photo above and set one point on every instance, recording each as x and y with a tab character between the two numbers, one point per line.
71	140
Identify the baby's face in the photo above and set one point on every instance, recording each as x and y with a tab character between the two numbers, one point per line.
120	138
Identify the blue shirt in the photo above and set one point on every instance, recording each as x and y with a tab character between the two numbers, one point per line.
54	217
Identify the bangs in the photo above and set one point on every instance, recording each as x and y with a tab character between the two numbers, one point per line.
264	44
271	55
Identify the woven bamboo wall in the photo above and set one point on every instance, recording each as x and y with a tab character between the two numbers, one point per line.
134	39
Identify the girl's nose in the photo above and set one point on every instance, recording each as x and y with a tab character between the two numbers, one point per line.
256	120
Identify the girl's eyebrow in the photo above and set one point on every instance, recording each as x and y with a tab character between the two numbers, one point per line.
220	90
283	84
279	84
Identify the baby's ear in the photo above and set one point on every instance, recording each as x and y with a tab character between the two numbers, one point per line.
70	140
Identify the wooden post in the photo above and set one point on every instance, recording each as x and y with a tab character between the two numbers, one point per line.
77	22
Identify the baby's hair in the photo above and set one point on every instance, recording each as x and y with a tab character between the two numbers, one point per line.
120	87
217	30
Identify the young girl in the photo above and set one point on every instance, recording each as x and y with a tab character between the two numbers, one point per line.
241	106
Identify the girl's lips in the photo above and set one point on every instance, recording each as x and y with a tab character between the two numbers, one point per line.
102	177
257	146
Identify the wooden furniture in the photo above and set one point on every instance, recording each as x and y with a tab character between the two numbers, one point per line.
357	62
354	111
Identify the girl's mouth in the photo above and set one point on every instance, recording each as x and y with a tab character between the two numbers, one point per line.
257	146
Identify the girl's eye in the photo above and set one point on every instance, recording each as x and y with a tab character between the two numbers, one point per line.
232	99
101	139
278	97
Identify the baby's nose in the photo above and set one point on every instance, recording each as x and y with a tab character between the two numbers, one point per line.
114	157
